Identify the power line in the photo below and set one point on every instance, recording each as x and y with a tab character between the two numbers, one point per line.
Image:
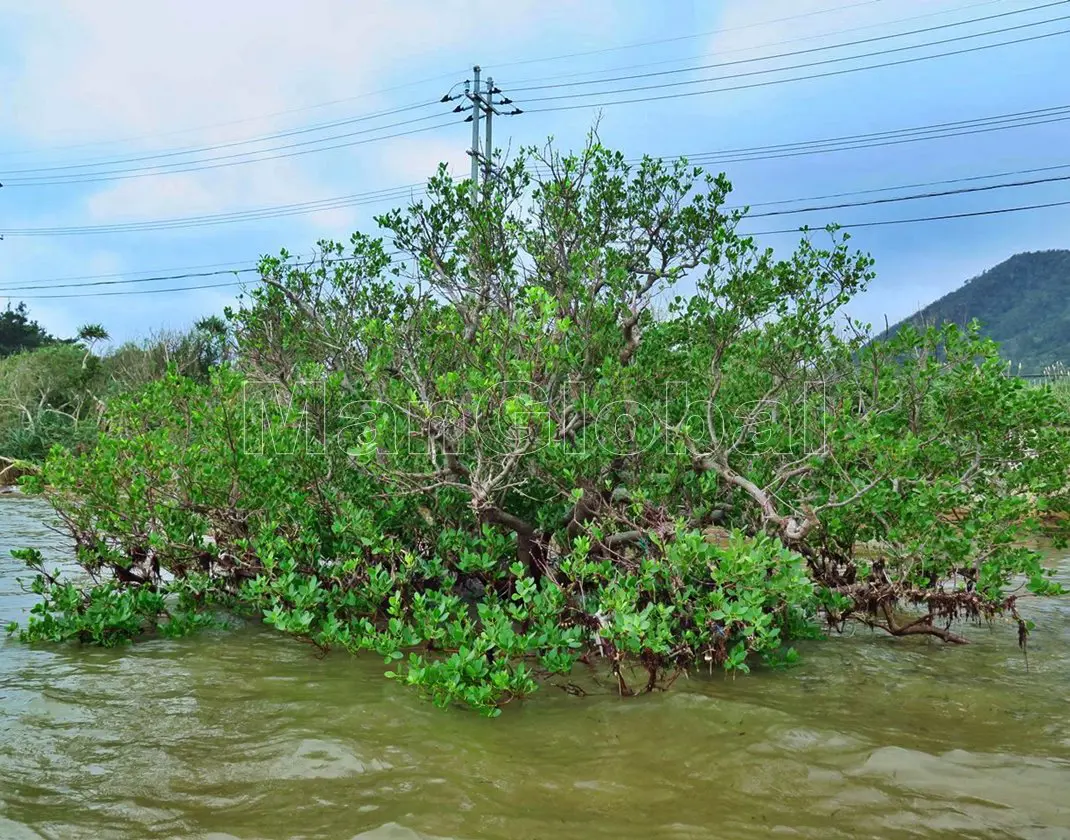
933	131
192	166
678	60
914	197
809	51
257	214
1051	110
184	276
228	145
771	82
180	275
966	215
51	280
803	229
879	223
418	105
892	200
184	166
135	292
805	65
966	179
755	153
688	37
805	149
243	121
195	167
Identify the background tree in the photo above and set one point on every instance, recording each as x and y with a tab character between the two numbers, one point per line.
55	393
89	335
18	332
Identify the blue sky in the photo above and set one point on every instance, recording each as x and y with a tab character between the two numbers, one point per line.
108	80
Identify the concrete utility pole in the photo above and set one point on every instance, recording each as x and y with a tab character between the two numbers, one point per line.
488	148
482	103
477	110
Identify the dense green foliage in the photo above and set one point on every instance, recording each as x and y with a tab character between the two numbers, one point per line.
18	332
1021	303
490	460
56	393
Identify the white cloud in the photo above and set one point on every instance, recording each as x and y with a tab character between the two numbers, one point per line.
161	74
75	71
127	69
121	67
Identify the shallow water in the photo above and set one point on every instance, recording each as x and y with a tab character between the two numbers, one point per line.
247	734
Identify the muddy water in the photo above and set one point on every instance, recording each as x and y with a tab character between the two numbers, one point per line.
246	734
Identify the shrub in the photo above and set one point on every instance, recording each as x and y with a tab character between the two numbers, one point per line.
489	461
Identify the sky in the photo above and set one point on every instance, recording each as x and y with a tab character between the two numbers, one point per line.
119	112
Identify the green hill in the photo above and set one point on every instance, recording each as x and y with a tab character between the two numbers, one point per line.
1023	303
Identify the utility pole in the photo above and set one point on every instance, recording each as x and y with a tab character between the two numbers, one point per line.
477	110
482	103
488	147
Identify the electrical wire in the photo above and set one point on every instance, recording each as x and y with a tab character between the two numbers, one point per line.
771	82
661	63
751	206
878	142
242	121
967	179
914	197
184	275
958	128
51	280
214	147
157	279
195	166
890	200
191	275
41	176
883	222
688	37
1033	113
802	229
338	123
913	134
258	214
826	61
135	292
880	223
513	89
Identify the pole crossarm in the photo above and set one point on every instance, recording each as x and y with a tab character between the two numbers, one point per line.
485	102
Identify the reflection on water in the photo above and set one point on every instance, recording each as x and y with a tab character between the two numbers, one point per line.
246	734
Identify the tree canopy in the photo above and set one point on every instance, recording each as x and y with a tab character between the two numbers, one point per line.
575	416
18	332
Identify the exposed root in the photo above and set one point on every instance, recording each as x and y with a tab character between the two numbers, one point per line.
622	686
922	626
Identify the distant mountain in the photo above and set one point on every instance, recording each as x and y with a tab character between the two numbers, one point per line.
1023	303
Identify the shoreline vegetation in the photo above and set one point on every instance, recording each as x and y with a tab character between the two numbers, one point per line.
12	470
574	417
